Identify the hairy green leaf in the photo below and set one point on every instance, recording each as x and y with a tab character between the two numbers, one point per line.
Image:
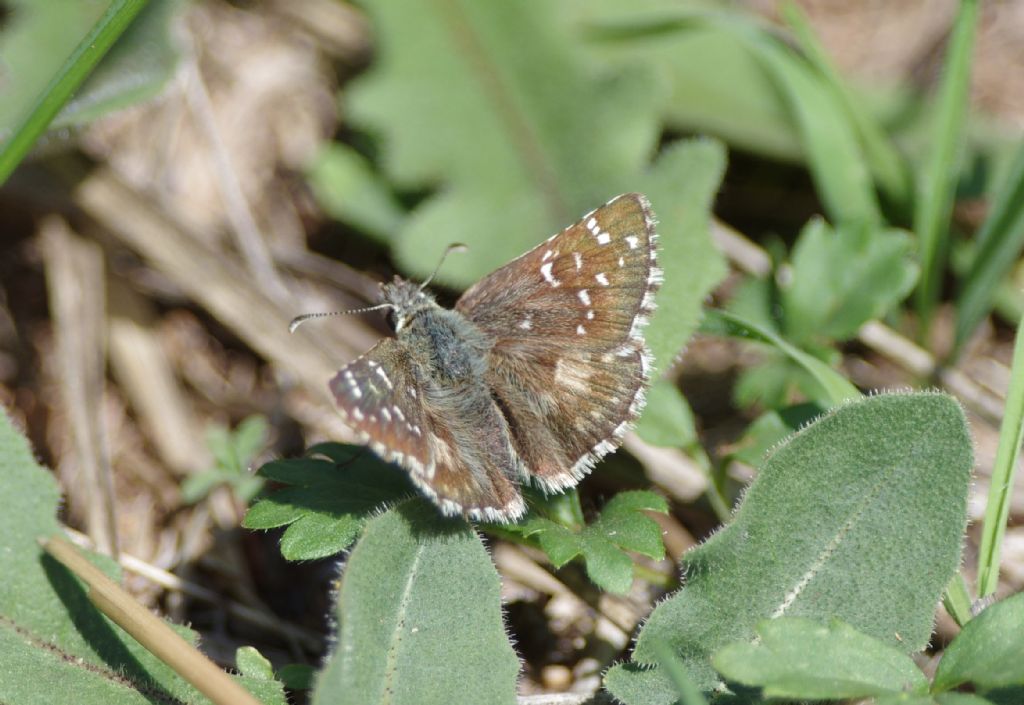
987	652
771	428
859	517
620	527
326	501
682	186
713	83
842	278
667	419
517	155
689	693
348	189
420	615
56	646
802	659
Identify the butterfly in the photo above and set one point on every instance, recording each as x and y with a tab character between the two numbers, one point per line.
534	375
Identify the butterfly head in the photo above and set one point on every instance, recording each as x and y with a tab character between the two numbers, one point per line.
405	299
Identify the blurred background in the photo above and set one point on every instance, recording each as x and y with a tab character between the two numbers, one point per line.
234	164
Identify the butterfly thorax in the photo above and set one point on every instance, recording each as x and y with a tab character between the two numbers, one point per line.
447	347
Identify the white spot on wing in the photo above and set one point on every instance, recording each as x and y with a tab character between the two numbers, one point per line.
603	238
580	330
634	241
578	258
584	296
384	376
601	278
545	271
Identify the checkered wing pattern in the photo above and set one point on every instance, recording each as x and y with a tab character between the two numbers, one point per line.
377	395
409	421
569	366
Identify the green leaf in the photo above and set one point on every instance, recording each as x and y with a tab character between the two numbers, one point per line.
517	153
940	699
326	502
68	40
999	243
620	527
250	662
1002	696
196	487
682	186
840	279
137	68
884	161
348	189
859	517
803	659
56	646
689	693
937	180
714	84
771	428
535	157
420	615
233	453
840	173
836	389
297	676
667	419
826	133
987	652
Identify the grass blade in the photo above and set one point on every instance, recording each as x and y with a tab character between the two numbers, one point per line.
938	181
999	243
689	693
66	81
1005	468
885	163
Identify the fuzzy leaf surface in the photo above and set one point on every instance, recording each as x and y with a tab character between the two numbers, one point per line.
988	650
844	277
803	659
420	615
859	516
603	543
328	497
55	646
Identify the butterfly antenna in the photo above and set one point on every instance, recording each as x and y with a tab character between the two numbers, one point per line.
299	320
454	247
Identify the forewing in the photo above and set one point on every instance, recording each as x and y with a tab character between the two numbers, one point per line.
591	286
455	447
569	364
378	396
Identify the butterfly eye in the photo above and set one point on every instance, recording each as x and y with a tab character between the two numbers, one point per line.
392	319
